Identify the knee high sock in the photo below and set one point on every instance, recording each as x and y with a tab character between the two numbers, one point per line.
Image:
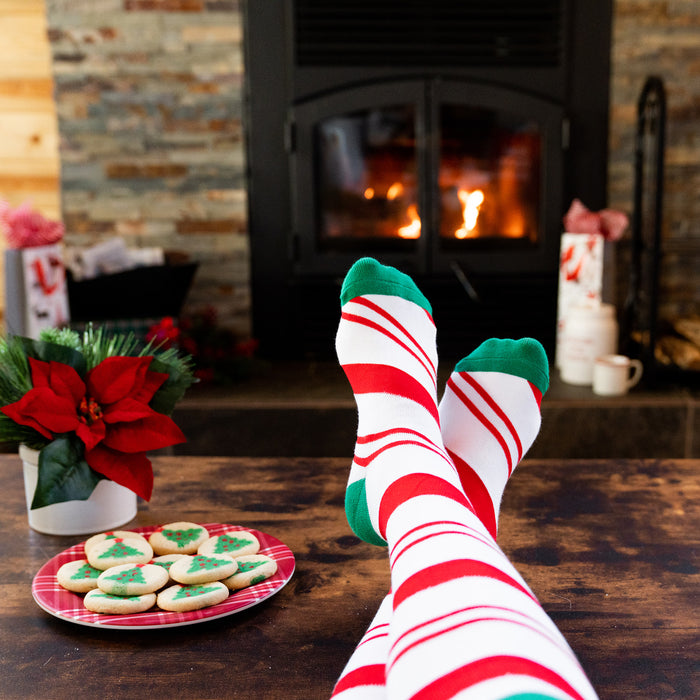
489	416
463	620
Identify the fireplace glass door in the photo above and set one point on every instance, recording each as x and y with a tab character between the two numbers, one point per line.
367	177
488	178
431	173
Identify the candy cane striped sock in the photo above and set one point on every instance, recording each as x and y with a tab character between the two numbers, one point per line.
490	416
386	346
464	622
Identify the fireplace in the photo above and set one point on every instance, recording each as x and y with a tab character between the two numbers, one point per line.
444	138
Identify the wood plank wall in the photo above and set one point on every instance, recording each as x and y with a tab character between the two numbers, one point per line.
29	163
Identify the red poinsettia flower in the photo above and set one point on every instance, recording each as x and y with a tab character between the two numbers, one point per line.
108	411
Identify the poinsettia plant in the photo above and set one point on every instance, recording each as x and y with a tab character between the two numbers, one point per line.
93	404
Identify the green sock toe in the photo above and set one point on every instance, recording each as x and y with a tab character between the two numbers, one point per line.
358	515
367	276
524	358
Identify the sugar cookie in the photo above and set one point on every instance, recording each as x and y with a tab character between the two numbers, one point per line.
234	542
179	598
132	579
178	538
78	576
252	569
166	561
202	569
100	602
117	550
110	535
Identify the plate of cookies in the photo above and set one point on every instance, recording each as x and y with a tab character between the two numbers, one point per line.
180	573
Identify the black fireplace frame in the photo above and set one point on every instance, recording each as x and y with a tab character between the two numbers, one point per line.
295	293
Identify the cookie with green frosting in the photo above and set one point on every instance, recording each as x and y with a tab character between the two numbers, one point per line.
203	569
132	579
165	561
236	543
252	569
181	537
179	598
100	602
110	535
78	576
117	550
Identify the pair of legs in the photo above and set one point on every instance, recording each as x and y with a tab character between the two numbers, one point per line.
427	480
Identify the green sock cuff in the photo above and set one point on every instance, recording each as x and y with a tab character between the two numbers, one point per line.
367	276
524	358
358	515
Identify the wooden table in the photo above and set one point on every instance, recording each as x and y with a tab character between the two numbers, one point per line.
610	547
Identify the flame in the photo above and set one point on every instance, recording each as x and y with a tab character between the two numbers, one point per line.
411	230
396	190
471	201
369	193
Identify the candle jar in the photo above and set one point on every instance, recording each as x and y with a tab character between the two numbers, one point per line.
590	331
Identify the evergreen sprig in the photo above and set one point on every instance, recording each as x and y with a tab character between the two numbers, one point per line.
83	352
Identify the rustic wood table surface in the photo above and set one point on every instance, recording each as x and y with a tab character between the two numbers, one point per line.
610	547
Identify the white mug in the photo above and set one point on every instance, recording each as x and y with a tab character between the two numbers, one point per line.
611	374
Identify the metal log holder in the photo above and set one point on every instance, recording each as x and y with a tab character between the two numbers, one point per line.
640	316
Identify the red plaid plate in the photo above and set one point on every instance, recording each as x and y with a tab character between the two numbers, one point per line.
68	606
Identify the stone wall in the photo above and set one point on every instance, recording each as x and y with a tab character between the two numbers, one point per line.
149	98
149	103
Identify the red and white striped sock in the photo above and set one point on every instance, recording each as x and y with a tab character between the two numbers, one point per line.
386	346
490	416
464	622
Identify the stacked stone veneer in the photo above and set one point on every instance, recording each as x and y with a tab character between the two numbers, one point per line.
149	104
150	107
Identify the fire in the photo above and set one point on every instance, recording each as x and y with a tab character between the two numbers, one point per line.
369	193
471	201
396	190
411	230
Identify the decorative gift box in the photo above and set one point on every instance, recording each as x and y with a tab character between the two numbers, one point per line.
580	276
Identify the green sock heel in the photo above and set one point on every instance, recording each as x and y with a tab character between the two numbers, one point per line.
357	514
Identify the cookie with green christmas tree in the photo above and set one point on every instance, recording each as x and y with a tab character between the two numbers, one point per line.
110	535
203	569
165	561
185	598
233	542
77	576
252	569
132	579
100	602
181	537
113	551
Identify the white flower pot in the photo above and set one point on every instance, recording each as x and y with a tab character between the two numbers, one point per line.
110	505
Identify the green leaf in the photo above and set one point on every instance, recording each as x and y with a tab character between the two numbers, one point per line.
51	352
64	475
180	378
